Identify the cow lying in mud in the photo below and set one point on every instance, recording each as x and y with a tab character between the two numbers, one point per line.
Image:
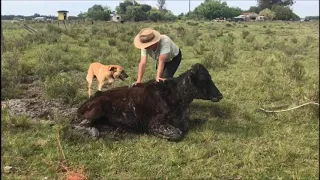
154	107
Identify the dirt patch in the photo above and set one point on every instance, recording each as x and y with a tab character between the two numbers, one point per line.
31	104
38	109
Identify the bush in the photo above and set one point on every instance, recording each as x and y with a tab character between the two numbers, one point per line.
61	86
295	69
191	23
10	74
294	40
219	59
245	34
112	42
181	31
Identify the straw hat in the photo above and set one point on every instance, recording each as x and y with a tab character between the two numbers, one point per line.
146	37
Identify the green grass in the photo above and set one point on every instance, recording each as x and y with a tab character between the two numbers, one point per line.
258	65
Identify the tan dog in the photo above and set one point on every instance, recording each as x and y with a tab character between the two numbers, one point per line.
105	74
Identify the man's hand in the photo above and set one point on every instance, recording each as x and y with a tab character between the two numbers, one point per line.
158	79
134	84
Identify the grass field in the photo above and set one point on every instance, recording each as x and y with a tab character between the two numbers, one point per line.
254	65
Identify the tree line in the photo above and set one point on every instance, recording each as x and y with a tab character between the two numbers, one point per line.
131	10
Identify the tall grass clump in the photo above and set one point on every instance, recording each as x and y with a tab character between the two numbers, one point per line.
52	59
191	37
181	31
10	74
62	86
295	69
219	60
245	34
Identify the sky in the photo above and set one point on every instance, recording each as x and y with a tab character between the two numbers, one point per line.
50	7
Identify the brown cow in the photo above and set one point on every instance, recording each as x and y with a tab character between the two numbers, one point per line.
155	107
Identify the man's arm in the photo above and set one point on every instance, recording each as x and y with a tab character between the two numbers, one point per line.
142	68
162	60
164	53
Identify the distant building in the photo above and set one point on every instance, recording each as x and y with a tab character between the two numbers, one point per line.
62	15
40	19
250	15
115	17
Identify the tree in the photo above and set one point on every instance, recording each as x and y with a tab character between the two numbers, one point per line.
122	8
82	15
284	13
267	13
161	4
263	4
136	13
97	12
2	40
254	9
36	15
212	9
146	7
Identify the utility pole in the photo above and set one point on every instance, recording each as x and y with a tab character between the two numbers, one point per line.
189	6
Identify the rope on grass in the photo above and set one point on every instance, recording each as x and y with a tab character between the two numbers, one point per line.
78	174
283	110
60	147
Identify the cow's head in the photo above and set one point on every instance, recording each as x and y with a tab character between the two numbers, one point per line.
204	87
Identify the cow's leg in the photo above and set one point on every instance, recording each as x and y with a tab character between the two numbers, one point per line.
160	126
166	131
179	120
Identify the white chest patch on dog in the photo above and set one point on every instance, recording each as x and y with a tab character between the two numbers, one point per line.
110	80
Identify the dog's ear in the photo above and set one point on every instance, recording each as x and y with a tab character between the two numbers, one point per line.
112	68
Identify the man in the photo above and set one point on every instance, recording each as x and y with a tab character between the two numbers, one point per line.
162	49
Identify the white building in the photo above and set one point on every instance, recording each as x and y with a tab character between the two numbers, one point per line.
115	17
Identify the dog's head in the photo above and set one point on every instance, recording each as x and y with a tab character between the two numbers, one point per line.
204	87
118	72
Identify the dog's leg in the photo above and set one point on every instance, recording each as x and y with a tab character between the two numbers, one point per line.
89	80
89	88
100	85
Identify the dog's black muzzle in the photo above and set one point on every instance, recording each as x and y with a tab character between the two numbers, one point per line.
123	76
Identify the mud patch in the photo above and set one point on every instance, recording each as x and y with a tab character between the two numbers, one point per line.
38	109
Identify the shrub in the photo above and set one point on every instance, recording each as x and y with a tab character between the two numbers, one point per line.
61	86
52	28
181	31
268	31
294	40
295	69
112	42
10	74
250	38
227	54
219	33
190	23
245	34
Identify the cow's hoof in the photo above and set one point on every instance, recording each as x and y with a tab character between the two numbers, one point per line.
94	132
85	123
